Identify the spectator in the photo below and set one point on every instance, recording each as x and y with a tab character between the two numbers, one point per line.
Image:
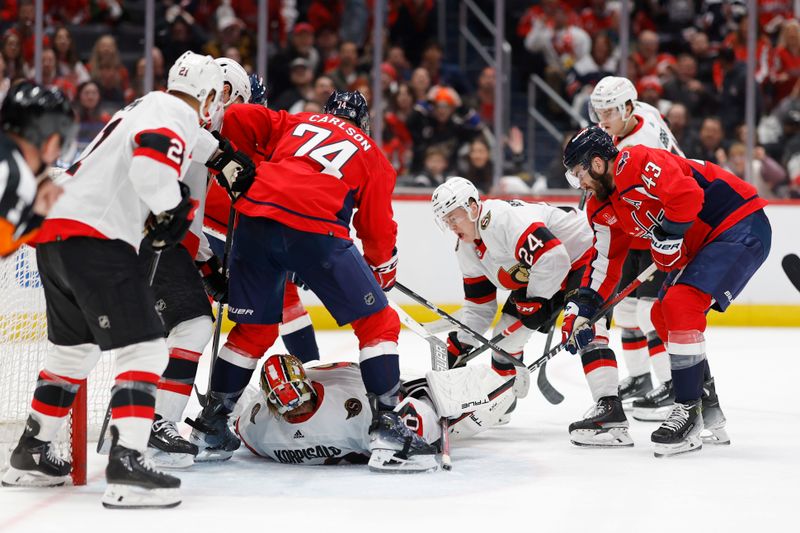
323	87
179	35
732	92
90	115
12	54
434	168
442	73
26	15
709	144
301	44
648	60
300	90
346	73
562	44
478	167
678	120
786	64
327	44
396	57
355	24
412	24
397	140
704	56
767	175
388	81
107	70
790	143
737	42
650	92
484	96
438	124
5	82
69	67
420	84
231	33
50	76
688	90
591	68
598	18
159	83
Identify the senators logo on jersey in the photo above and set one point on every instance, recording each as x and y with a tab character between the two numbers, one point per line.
515	277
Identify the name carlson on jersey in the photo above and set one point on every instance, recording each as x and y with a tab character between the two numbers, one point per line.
306	454
345	127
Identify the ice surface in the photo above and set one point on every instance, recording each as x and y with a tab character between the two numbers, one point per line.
525	475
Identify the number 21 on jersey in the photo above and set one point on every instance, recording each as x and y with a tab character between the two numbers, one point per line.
332	156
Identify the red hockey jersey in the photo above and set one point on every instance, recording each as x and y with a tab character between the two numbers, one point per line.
652	185
313	171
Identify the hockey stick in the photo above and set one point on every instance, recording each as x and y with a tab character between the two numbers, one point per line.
791	265
523	381
203	398
545	387
644	276
151	276
438	363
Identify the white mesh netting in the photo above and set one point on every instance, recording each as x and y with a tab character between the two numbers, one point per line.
23	346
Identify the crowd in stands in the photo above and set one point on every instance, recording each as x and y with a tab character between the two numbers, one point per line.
687	58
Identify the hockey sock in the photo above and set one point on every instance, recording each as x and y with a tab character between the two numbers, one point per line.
133	397
231	374
380	365
505	368
600	367
659	358
302	343
381	375
175	385
634	351
52	401
687	357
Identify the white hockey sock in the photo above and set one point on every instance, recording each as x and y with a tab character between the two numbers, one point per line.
634	352
600	367
659	358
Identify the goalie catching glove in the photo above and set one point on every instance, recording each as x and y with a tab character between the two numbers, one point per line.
169	227
214	280
233	170
576	332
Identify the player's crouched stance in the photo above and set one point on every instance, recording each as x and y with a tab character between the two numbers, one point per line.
706	227
97	291
321	416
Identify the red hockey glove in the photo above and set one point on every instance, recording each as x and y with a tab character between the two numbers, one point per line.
214	279
386	273
168	228
455	349
668	251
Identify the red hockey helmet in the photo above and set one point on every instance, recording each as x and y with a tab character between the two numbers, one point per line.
285	383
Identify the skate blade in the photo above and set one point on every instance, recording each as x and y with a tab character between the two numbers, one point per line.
174	461
212	456
134	497
30	478
715	436
652	415
617	437
384	461
692	444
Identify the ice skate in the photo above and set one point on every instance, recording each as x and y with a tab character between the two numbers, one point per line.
605	425
395	448
33	462
634	388
713	418
167	448
211	434
680	432
656	404
133	483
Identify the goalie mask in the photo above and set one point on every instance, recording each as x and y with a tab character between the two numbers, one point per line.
284	383
454	193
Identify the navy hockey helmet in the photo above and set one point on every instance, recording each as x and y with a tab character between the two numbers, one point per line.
586	144
350	105
35	113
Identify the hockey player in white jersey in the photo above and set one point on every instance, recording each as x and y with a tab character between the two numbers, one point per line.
321	415
539	253
37	124
97	291
614	106
180	293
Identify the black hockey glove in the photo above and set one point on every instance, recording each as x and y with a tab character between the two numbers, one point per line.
456	349
232	168
214	279
536	313
169	228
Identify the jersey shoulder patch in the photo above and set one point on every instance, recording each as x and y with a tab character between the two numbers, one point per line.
622	161
485	220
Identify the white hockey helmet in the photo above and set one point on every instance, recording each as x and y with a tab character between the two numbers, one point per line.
197	75
236	76
612	92
454	193
284	383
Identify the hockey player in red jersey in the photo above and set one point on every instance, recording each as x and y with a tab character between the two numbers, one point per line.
317	169
707	229
37	124
97	291
539	252
614	107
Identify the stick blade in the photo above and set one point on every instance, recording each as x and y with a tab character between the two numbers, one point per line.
791	265
546	388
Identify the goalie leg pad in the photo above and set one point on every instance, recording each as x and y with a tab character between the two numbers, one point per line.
462	389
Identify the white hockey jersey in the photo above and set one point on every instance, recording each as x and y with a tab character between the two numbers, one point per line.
651	131
520	245
336	431
197	180
128	171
